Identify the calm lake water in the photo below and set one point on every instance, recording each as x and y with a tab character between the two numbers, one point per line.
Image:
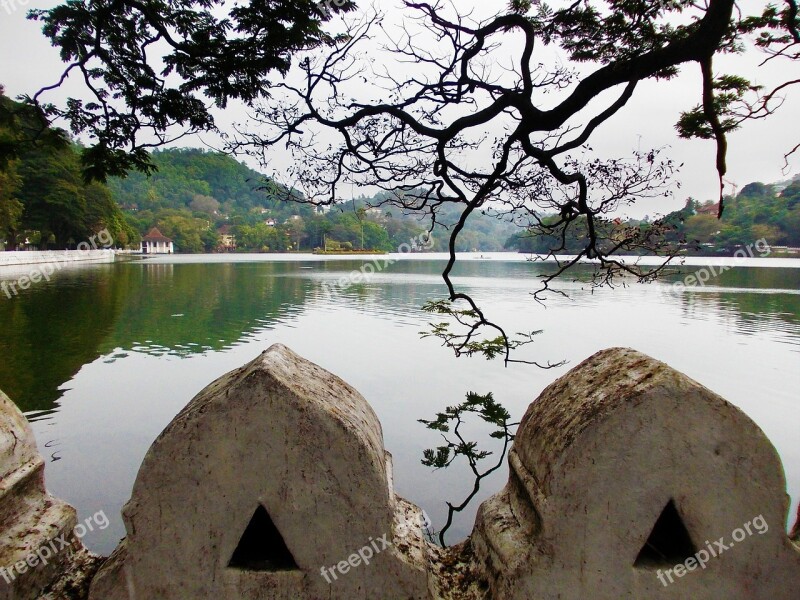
102	357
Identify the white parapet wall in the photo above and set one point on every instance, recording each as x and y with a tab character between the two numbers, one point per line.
627	481
55	256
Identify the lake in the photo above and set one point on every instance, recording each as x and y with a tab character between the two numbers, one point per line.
102	357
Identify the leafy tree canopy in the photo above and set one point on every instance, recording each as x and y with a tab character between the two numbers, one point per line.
41	189
151	66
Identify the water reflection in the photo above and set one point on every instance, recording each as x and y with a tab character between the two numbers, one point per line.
180	310
55	328
51	330
749	300
168	309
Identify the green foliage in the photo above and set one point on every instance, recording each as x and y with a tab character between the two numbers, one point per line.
10	206
775	27
23	127
449	422
189	234
207	49
204	204
466	344
193	179
262	238
41	188
347	227
730	91
757	212
614	31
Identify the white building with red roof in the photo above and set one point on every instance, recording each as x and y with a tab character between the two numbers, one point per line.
156	242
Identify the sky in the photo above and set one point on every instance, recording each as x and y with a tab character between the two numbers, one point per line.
755	152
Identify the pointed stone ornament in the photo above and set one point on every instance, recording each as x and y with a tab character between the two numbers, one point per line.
37	543
595	456
280	433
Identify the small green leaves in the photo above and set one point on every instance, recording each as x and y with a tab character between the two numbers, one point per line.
449	422
438	459
467	344
729	105
485	406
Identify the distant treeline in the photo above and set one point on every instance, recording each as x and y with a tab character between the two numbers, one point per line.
208	201
760	211
197	196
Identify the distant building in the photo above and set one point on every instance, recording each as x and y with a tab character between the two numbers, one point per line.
227	241
156	242
708	209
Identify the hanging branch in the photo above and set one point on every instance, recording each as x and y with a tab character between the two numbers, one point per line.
442	457
535	168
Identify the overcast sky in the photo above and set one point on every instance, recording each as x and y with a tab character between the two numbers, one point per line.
755	152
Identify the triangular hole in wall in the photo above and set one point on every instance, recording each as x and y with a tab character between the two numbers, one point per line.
669	542
261	547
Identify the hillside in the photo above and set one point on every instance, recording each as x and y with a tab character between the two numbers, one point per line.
769	212
44	201
187	174
197	196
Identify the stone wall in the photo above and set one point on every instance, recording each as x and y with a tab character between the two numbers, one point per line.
627	480
17	258
38	551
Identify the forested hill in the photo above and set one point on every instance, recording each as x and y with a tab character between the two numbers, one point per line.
196	193
186	174
769	212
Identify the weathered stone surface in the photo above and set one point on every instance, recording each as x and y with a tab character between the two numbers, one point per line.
621	470
34	526
73	584
600	456
283	435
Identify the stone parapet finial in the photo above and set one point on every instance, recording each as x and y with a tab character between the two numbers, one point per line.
630	480
273	482
38	548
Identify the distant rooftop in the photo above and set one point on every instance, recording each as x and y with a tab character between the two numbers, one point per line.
155	236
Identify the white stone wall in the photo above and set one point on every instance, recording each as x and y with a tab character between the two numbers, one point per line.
627	480
55	256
